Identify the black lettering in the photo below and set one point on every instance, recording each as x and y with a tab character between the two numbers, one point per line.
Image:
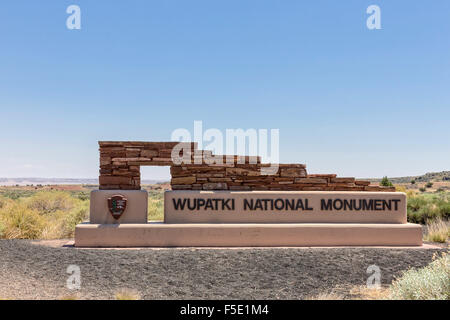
396	201
367	204
248	204
200	203
326	205
225	204
277	204
359	207
348	204
378	205
194	204
209	204
308	208
258	204
215	203
290	204
299	205
178	205
335	204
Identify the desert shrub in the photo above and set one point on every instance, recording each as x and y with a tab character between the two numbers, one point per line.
429	283
155	205
424	208
83	196
438	231
45	215
385	182
50	201
429	185
74	217
400	189
127	294
413	181
20	222
410	193
4	202
422	189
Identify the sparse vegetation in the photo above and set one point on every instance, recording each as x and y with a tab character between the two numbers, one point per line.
44	215
365	293
69	297
385	182
429	283
326	296
155	205
47	213
438	231
431	176
424	208
52	214
126	294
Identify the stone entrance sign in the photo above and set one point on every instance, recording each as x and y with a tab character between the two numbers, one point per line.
235	202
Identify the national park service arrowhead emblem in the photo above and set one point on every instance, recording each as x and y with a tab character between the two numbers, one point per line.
117	205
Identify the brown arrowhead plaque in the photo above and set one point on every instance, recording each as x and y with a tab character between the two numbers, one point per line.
117	205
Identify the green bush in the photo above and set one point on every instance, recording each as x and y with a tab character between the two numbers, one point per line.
429	283
422	189
385	182
155	205
51	201
413	181
429	185
424	208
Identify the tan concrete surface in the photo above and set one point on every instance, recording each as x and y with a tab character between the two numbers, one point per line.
135	211
316	215
247	235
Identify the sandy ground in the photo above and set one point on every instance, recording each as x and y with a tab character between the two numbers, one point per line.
37	270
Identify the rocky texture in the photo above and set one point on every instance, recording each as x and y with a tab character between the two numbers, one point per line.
201	170
34	271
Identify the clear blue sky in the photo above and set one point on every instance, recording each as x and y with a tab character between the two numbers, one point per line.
346	99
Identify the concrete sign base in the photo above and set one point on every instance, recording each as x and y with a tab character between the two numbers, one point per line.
247	235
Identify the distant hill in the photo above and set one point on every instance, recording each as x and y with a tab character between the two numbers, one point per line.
427	177
57	181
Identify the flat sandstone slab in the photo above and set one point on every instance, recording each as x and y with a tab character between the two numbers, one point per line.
247	235
184	206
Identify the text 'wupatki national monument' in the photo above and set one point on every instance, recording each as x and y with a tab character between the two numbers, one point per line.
227	200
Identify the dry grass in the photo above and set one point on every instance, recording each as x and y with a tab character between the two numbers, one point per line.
429	283
326	296
438	231
364	293
69	297
49	215
127	294
44	215
156	205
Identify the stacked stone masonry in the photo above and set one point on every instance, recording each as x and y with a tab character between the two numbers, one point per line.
201	170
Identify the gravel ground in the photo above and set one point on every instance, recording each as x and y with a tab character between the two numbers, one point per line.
38	271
